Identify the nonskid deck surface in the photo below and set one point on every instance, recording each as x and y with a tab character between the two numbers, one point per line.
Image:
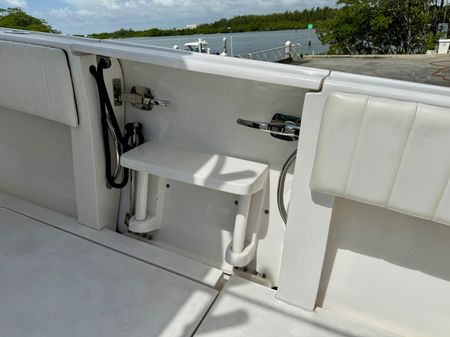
57	284
246	309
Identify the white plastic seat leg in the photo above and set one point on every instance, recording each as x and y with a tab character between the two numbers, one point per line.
141	222
237	253
141	196
240	224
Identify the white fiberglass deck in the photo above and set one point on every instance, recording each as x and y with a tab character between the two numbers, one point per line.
55	284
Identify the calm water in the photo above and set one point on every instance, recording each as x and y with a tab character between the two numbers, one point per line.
242	42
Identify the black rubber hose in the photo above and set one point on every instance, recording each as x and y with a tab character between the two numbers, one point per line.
105	104
104	99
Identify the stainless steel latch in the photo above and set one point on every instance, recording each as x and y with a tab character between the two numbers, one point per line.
282	126
141	98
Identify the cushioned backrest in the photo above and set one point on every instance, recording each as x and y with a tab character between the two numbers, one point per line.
384	152
36	80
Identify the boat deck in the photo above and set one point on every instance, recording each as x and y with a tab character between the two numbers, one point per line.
247	309
57	284
59	281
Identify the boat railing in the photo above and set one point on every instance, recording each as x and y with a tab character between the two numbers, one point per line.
288	52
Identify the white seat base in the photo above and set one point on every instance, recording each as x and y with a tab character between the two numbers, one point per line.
218	172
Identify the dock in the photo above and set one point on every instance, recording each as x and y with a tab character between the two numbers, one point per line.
429	69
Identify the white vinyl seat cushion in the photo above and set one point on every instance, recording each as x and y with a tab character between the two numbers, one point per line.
36	80
384	152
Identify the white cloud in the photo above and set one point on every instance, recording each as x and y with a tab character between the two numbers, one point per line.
59	13
64	13
13	3
87	16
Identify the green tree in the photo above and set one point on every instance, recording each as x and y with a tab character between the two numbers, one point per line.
243	23
380	27
16	18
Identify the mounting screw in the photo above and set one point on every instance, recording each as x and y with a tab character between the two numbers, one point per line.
264	275
168	185
266	211
236	202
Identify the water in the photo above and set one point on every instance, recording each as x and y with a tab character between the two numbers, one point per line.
242	42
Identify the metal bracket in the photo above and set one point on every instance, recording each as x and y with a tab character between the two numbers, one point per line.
141	98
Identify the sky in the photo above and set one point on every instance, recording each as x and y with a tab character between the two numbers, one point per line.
94	16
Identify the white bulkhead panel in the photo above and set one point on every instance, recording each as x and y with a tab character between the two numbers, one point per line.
196	221
37	111
383	143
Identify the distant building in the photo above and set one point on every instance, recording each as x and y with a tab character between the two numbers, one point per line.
191	26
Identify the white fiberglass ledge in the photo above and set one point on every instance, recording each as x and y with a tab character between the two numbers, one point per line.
218	172
295	76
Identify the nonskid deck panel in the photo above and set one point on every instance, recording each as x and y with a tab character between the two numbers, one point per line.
57	284
246	309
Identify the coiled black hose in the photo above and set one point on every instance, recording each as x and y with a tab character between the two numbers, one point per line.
110	125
